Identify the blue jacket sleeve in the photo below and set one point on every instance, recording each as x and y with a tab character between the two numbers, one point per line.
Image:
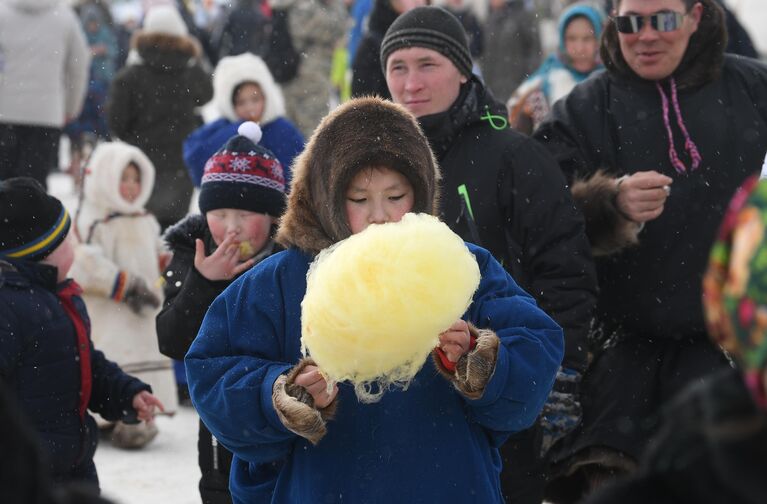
203	143
531	350
233	364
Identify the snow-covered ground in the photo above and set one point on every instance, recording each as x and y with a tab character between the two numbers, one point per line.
165	471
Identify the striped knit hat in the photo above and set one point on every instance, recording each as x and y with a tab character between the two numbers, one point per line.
32	223
432	28
243	175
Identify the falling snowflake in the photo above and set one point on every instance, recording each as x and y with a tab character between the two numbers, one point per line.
240	164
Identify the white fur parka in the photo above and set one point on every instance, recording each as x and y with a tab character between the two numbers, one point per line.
119	236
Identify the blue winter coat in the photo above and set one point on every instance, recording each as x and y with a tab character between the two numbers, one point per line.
279	136
426	444
39	362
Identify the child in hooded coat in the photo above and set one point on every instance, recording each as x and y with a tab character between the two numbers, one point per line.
244	90
241	197
118	265
437	441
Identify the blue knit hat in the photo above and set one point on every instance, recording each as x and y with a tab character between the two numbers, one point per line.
243	175
32	223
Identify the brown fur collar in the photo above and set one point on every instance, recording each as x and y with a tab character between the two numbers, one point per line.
702	61
144	42
361	133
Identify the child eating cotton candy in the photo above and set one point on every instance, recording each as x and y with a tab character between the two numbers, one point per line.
367	163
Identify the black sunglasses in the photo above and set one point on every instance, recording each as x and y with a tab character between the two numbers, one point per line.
662	22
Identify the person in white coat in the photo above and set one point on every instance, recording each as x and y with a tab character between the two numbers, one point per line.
44	62
118	263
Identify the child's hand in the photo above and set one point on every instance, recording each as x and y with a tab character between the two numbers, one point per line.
312	380
223	264
144	403
456	341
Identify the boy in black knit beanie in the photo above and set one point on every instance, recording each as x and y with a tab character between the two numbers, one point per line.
47	359
241	195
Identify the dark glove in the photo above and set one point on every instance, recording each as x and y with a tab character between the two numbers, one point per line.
295	406
562	412
137	295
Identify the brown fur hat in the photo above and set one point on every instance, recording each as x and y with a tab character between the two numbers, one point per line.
702	61
361	133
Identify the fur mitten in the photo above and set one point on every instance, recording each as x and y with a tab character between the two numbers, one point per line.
475	368
295	406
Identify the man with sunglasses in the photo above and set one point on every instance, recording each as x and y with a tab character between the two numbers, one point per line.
654	147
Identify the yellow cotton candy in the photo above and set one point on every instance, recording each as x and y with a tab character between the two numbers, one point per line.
246	250
376	302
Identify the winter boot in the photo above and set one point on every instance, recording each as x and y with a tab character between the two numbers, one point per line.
133	436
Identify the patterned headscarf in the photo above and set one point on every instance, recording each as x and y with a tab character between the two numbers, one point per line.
735	285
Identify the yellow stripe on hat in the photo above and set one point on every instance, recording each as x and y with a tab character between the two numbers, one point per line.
35	247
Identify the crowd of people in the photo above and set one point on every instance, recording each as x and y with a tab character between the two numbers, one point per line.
614	350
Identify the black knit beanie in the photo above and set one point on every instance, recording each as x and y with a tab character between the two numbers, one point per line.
32	223
243	175
433	28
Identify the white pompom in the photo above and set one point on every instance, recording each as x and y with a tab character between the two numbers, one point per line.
251	131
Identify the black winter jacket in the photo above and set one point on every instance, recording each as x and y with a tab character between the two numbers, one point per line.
39	362
614	123
518	208
188	294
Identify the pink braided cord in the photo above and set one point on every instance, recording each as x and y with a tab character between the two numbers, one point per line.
689	145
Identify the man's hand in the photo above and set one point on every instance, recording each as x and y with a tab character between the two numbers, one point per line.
223	263
641	196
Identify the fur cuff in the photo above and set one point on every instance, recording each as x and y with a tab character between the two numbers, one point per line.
474	369
295	406
607	229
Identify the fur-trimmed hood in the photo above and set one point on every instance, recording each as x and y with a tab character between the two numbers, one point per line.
702	61
104	171
360	133
160	50
232	71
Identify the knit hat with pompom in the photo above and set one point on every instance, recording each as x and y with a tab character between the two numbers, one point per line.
243	175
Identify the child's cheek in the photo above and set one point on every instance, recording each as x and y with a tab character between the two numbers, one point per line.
217	230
